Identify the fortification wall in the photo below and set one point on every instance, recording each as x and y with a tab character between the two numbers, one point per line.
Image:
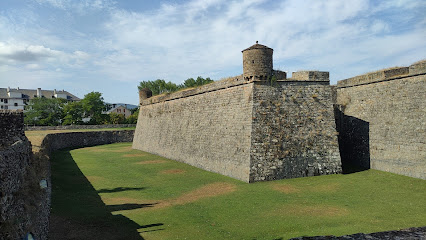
382	120
24	202
56	141
293	132
71	127
248	130
207	127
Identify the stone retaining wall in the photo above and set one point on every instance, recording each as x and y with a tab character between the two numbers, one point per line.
56	141
25	186
24	202
70	127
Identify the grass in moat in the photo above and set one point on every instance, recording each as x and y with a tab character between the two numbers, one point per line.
137	195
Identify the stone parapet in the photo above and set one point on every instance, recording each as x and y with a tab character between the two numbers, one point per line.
386	74
217	85
310	76
418	67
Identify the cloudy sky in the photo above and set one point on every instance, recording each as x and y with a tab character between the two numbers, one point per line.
110	46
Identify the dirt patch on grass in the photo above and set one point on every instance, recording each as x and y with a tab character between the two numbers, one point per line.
285	188
151	162
313	211
288	189
135	155
173	171
207	191
327	188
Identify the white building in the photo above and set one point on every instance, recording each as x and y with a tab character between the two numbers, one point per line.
17	99
120	109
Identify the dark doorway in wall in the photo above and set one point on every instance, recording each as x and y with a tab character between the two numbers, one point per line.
354	142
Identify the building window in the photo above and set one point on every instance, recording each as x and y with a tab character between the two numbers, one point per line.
5	107
1	100
124	110
5	101
1	107
15	104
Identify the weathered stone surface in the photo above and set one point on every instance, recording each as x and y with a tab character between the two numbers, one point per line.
293	131
25	187
382	124
249	130
24	205
209	130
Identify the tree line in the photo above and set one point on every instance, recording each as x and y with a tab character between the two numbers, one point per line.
57	111
160	86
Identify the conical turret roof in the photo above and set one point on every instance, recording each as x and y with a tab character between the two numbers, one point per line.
257	46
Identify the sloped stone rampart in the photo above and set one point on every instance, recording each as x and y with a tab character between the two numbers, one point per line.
248	130
383	121
207	127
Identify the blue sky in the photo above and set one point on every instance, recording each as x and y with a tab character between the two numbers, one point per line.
110	46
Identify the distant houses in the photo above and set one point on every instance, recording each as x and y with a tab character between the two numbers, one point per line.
121	108
17	99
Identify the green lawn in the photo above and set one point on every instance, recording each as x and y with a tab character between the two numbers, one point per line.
121	193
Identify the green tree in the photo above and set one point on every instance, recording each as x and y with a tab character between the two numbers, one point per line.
115	118
132	119
93	105
44	111
73	112
159	86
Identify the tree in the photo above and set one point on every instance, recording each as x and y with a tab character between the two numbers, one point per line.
73	112
44	111
160	86
93	105
115	118
132	119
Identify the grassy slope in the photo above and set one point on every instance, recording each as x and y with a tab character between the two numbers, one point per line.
167	205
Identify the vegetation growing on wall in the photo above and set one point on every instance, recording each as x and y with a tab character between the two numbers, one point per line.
160	86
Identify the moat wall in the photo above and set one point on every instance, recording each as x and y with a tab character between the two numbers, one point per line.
25	185
24	201
248	130
381	120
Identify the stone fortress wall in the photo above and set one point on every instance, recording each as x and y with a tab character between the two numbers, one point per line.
25	186
381	118
24	200
247	127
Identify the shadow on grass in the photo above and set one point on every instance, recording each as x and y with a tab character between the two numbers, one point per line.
78	212
119	189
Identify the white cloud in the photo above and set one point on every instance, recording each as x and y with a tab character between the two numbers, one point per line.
12	53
